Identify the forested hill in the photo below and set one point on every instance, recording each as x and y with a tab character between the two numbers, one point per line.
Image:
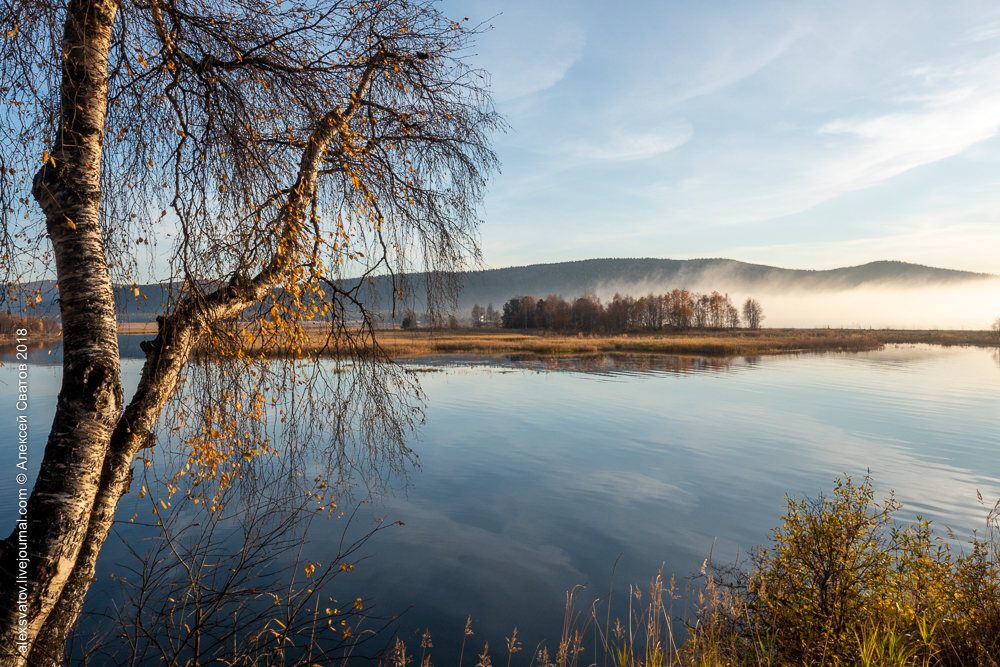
640	276
605	276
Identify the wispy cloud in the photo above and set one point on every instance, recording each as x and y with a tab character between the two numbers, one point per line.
627	144
983	33
930	114
539	57
730	66
954	109
697	128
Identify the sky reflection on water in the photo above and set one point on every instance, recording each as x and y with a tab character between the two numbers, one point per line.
535	481
537	475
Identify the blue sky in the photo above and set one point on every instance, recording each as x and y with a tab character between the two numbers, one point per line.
801	135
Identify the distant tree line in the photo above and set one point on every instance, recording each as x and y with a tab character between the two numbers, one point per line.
486	317
411	321
9	324
679	309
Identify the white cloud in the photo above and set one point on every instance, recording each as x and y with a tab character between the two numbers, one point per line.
824	134
956	109
929	114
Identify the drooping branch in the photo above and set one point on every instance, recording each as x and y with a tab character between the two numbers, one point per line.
166	356
358	120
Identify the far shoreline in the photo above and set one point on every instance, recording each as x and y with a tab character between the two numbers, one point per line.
401	344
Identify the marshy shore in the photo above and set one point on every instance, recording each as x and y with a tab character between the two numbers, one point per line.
399	343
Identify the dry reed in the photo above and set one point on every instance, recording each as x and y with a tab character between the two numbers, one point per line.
400	344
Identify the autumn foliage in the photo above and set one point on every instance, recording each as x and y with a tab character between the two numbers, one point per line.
678	309
9	324
842	584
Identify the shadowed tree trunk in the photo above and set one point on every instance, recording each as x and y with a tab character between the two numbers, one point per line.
72	533
90	400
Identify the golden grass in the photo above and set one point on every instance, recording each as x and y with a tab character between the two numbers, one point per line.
398	343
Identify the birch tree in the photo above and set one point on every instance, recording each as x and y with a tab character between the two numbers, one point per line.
753	313
253	154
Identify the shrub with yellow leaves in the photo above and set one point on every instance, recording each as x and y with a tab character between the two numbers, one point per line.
841	584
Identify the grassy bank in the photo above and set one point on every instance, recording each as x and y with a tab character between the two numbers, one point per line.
400	343
711	343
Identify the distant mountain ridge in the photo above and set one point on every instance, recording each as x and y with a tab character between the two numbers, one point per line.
605	276
640	276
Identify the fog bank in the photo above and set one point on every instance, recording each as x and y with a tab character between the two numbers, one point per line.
972	305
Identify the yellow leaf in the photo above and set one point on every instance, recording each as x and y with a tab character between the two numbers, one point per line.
70	223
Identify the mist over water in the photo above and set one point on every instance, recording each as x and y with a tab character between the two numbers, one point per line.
960	305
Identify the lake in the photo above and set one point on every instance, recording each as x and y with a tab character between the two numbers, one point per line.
538	476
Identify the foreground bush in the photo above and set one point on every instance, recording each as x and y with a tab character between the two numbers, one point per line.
841	585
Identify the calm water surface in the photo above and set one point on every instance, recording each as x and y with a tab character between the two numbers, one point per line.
537	477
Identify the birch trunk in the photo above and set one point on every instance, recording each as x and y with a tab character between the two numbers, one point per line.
165	359
90	400
166	356
87	464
